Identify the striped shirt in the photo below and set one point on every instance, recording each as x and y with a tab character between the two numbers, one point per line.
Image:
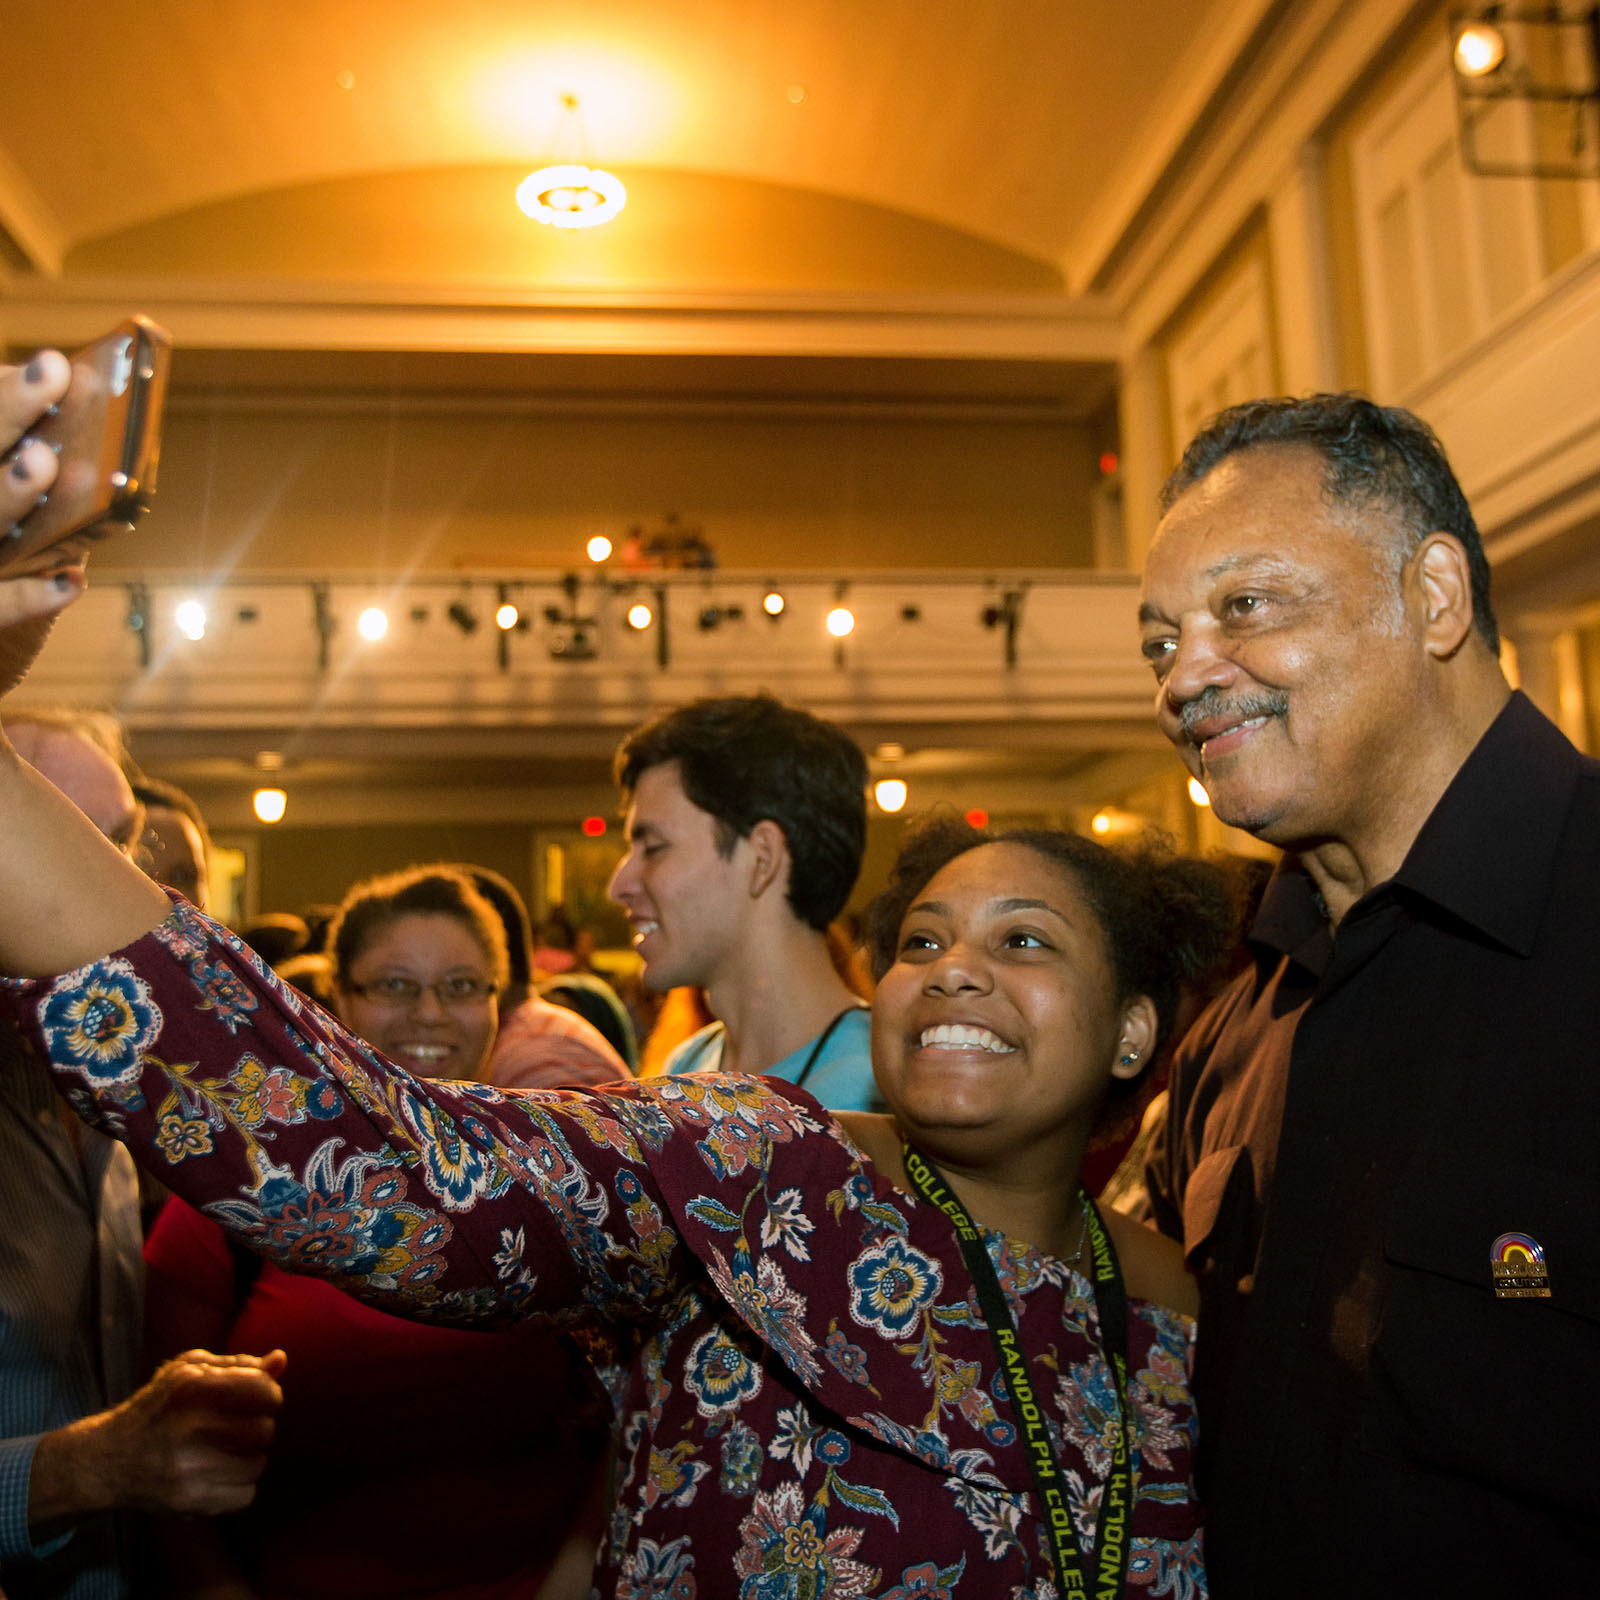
70	1284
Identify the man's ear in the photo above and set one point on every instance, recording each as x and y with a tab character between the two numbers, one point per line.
1438	567
769	858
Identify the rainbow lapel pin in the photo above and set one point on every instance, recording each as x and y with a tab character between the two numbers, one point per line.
1517	1263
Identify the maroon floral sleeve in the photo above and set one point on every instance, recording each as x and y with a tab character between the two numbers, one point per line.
807	1401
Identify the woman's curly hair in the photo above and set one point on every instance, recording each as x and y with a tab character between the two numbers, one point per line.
1166	919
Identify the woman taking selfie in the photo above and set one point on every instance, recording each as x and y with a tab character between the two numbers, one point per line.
892	1357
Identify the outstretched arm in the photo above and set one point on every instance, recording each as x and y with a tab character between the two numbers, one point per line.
66	895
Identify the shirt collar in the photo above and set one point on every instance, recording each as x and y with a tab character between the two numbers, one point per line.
1487	852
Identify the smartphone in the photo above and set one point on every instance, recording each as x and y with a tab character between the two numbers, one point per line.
106	433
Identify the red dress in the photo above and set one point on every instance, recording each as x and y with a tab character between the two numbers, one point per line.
386	1424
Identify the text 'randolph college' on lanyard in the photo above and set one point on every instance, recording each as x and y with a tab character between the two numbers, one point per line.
1111	1306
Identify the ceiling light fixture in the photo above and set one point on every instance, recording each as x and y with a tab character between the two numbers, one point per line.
372	624
599	548
772	602
1527	85
1480	48
191	620
890	793
270	804
570	193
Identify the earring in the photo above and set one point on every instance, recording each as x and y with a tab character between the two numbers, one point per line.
1129	1059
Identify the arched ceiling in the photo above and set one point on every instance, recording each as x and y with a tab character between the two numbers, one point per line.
822	144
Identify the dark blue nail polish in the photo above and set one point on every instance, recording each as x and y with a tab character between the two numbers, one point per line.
19	470
34	371
63	581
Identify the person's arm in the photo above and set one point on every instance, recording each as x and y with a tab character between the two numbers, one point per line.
193	1440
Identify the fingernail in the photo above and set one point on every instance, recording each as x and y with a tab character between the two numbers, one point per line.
64	582
19	470
34	371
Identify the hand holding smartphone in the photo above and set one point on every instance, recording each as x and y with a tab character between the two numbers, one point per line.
106	432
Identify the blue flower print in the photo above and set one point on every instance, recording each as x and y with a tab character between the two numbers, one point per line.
927	1582
101	1023
741	1459
890	1285
659	1572
224	992
719	1374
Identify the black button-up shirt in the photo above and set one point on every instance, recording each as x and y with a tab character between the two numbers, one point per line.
1353	1126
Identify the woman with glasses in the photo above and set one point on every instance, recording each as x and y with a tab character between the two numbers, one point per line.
382	1414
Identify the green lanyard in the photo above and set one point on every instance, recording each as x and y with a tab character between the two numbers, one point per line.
1111	1533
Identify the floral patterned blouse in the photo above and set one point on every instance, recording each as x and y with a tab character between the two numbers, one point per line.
808	1403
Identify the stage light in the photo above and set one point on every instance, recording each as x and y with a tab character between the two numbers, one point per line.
841	621
1197	792
599	548
191	619
977	817
593	827
1101	822
1480	48
373	623
270	804
773	603
506	616
640	617
890	793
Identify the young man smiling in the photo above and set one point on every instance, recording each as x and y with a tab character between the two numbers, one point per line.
746	819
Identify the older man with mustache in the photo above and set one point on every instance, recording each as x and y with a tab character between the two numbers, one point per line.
1381	1148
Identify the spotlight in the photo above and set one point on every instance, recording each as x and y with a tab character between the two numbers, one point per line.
1480	48
373	623
772	602
191	619
841	621
506	616
1197	792
1100	822
639	617
977	817
270	804
599	548
462	614
890	793
593	827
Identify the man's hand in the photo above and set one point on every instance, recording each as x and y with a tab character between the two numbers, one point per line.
192	1440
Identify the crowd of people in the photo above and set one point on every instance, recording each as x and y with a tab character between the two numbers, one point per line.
450	1300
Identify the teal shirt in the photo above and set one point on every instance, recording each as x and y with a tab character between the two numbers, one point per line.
841	1077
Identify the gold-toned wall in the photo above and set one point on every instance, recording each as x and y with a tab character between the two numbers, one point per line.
253	493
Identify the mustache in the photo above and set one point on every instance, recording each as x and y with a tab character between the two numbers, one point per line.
1213	702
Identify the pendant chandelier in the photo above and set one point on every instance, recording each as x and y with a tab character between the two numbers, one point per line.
570	193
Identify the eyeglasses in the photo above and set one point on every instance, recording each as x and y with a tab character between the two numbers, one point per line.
461	989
